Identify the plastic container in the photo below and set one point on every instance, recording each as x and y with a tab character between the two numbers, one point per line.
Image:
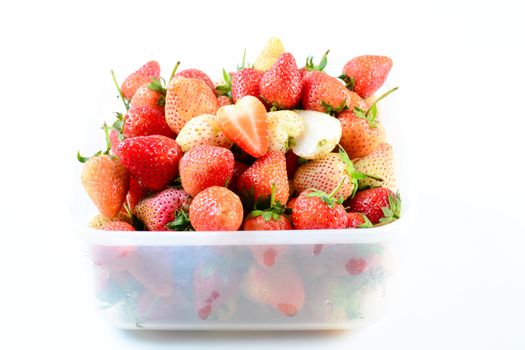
318	279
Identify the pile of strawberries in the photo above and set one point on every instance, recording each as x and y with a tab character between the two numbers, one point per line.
271	147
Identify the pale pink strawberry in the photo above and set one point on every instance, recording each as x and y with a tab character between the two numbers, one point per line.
158	210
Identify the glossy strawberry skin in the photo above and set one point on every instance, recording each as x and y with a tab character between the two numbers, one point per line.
216	209
159	209
246	83
144	96
255	184
370	202
142	76
153	160
144	121
358	138
355	219
205	166
197	74
311	213
320	89
281	85
258	223
369	73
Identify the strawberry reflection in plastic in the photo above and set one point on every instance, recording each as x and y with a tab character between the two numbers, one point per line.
152	267
280	287
113	258
268	255
215	285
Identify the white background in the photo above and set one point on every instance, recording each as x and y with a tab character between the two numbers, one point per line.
460	66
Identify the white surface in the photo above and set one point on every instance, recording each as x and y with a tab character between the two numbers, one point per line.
460	68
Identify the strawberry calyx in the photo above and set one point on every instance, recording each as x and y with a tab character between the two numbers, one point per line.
327	198
124	100
181	222
393	211
329	109
367	223
226	88
274	212
352	172
370	114
159	86
83	159
349	81
310	65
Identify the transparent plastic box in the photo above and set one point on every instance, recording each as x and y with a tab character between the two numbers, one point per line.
315	279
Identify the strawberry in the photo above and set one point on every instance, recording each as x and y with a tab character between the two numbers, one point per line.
114	139
143	75
292	164
380	163
379	204
366	74
358	220
135	194
245	83
280	287
327	173
153	160
269	55
99	220
245	124
106	182
362	132
202	130
280	86
187	98
216	209
255	184
148	96
356	266
158	210
324	93
315	210
238	169
320	135
311	66
205	166
197	74
144	121
283	128
117	226
224	101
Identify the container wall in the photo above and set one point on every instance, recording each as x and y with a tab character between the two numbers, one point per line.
251	287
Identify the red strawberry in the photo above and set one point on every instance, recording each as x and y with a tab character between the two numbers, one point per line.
146	96
145	120
379	204
142	76
205	166
135	194
358	220
281	287
317	210
246	83
106	182
366	74
356	266
216	209
187	98
157	211
153	160
245	124
114	140
197	74
117	226
281	85
238	169
292	163
360	137
324	93
255	184
224	101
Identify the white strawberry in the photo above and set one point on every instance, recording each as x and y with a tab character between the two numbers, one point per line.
379	163
202	130
283	128
321	134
